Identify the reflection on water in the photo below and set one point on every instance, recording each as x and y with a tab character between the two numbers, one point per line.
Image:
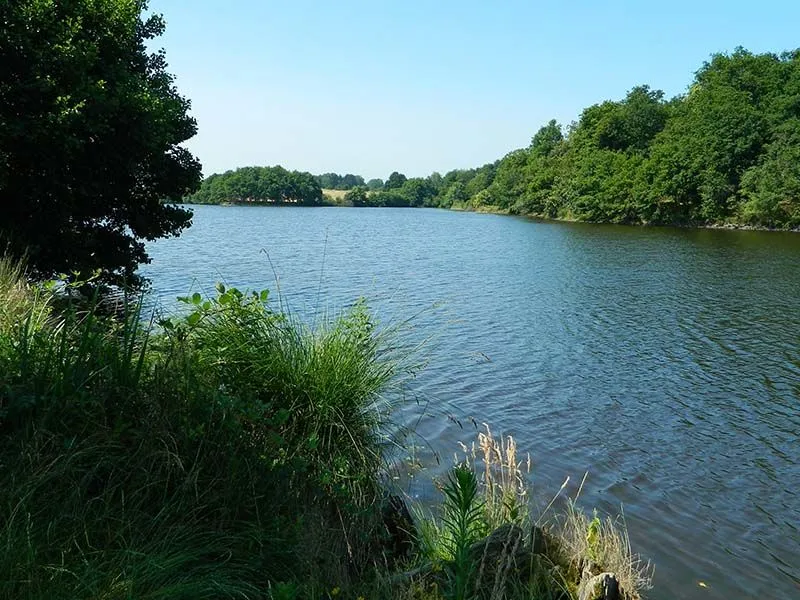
665	362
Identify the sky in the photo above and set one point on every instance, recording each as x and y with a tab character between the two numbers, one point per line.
371	87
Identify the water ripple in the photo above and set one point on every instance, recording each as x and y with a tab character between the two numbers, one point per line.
665	362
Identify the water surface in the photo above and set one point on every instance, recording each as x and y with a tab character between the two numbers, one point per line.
665	362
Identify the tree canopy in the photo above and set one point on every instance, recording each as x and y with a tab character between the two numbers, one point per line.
91	127
725	152
334	181
259	185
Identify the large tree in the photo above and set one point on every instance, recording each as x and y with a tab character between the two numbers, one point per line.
395	181
90	131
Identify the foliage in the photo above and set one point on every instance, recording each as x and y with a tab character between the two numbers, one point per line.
604	542
231	452
258	185
503	482
90	132
395	181
334	181
771	188
464	525
510	553
358	196
211	456
390	199
725	152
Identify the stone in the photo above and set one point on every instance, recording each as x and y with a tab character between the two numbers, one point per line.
402	533
600	587
499	545
541	541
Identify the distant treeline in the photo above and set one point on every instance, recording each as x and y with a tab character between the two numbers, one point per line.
334	181
259	185
727	151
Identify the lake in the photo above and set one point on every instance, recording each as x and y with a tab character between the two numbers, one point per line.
665	362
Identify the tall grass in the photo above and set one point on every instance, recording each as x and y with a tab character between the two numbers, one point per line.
503	479
526	555
603	544
207	456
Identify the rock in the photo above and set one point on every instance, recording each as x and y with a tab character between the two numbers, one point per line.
541	541
499	558
505	542
400	527
600	587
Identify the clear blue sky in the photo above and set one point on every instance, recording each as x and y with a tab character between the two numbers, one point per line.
369	87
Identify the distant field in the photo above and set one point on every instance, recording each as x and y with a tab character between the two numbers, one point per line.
334	194
335	197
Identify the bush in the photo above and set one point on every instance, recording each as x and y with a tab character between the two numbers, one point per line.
204	456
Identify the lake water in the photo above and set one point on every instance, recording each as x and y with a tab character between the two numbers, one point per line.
665	362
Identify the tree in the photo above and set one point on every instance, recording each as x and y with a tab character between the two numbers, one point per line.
329	181
418	191
90	132
714	135
349	181
375	185
508	184
771	190
395	181
334	181
436	180
358	196
455	194
480	179
547	139
728	151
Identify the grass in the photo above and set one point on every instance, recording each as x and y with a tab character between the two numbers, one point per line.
335	197
233	452
605	543
207	456
525	556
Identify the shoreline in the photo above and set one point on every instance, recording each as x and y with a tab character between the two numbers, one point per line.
490	210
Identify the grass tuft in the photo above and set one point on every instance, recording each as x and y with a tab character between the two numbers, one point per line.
589	541
206	456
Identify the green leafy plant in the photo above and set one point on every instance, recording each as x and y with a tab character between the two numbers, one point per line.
202	456
464	525
593	537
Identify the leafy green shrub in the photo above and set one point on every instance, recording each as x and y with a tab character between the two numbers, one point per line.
200	457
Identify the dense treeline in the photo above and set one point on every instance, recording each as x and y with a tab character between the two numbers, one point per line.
334	181
726	152
259	185
456	189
